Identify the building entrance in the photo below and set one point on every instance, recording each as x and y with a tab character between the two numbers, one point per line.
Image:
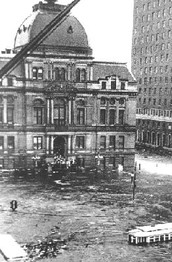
59	146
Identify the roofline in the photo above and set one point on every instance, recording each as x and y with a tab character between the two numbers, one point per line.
110	62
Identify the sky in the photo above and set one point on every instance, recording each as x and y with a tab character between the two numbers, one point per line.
108	25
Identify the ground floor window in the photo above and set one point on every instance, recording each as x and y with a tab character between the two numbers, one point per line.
80	142
1	163
10	142
112	161
37	142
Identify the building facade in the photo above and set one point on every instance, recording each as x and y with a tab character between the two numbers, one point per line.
60	101
152	67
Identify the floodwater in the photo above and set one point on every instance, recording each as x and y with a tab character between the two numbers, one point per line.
161	165
93	217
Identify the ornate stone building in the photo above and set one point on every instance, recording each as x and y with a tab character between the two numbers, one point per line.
152	67
59	100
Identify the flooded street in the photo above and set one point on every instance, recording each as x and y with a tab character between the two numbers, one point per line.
90	221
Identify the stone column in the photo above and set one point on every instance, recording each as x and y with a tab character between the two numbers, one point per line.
52	145
52	111
117	112
69	111
69	144
48	111
5	110
47	145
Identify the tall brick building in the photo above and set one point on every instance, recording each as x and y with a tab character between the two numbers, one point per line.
60	101
152	67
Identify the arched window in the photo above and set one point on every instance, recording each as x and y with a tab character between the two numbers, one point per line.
37	73
83	75
10	109
59	112
62	74
77	75
56	74
38	111
34	73
40	73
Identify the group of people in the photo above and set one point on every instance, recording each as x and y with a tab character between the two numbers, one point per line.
61	162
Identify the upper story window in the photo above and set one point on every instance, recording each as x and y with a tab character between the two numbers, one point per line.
38	112
103	85
121	142
80	116
81	75
112	116
10	109
37	73
122	85
121	117
113	84
60	74
112	142
103	116
10	81
103	101
103	142
59	112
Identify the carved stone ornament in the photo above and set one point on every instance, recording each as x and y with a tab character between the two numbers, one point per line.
81	102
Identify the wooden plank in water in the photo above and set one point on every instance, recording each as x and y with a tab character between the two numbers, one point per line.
10	249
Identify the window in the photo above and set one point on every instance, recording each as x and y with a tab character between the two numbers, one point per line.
62	73
113	84
10	115
80	75
10	142
40	73
121	117
80	116
112	116
83	75
80	142
162	46
9	81
112	161
38	115
37	73
102	116
103	101
1	114
112	142
122	85
121	142
103	142
59	116
103	85
1	142
37	142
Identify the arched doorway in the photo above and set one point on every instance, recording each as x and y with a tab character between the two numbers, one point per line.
59	145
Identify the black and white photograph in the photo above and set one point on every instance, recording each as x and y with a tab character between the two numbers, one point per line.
86	131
